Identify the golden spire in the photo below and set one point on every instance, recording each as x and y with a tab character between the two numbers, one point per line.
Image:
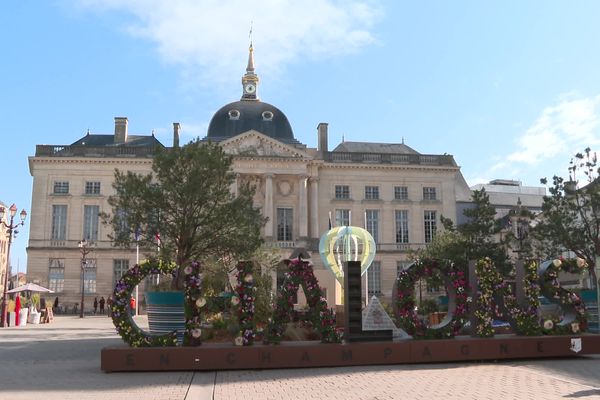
250	79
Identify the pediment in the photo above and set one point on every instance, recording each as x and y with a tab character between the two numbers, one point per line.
255	144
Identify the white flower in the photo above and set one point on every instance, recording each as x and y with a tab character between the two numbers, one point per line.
575	327
581	262
557	263
196	333
201	302
187	270
548	324
239	341
248	278
469	299
235	300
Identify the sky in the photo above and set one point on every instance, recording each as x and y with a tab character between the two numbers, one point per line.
511	89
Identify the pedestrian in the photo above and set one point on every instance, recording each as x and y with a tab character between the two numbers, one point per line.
95	305
132	305
109	302
56	305
102	301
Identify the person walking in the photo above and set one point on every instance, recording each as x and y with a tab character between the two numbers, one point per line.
109	302
102	302
132	305
56	310
95	305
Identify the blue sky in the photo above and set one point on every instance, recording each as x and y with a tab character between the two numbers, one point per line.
511	88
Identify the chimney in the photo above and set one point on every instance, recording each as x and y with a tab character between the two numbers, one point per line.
322	146
120	130
176	130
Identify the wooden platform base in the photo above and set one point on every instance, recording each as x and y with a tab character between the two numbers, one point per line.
210	357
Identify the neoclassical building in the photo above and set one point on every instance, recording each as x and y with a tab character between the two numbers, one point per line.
395	192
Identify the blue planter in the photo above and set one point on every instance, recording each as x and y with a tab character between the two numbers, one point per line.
165	313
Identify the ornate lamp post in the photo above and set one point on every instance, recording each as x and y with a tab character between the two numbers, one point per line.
85	250
11	230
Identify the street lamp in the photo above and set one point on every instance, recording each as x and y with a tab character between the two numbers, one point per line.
84	249
11	230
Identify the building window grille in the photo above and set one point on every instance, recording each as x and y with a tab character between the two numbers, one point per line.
90	223
372	219
342	217
119	269
92	188
59	222
429	194
401	193
89	278
401	226
374	278
342	192
430	225
372	192
61	187
285	219
56	275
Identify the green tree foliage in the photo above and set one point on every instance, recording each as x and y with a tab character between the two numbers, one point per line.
187	201
472	240
571	212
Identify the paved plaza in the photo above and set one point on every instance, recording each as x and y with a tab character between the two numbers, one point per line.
62	361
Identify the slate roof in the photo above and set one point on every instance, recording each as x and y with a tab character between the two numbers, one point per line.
367	147
97	140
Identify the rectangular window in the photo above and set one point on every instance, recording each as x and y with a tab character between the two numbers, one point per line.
285	220
90	222
119	269
374	278
342	192
342	217
401	226
372	227
430	225
372	192
400	192
402	265
89	277
59	222
56	275
429	194
61	187
92	188
122	229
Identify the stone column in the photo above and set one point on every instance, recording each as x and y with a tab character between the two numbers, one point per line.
234	185
314	208
268	210
302	207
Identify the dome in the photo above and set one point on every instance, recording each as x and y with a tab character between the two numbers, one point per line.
244	115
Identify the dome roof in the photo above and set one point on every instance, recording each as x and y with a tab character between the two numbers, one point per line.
244	115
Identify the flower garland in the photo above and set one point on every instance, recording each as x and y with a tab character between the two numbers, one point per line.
121	315
574	320
320	316
488	279
193	304
456	285
243	302
527	322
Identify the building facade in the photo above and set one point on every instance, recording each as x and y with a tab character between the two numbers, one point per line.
395	192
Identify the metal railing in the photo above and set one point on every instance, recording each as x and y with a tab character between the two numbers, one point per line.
42	150
386	158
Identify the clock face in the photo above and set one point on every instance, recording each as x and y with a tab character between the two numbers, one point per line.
250	88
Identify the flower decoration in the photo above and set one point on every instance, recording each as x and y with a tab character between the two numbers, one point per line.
574	319
456	283
319	316
244	302
201	302
548	325
126	327
193	295
557	263
525	319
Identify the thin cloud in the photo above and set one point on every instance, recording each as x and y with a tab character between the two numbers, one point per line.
210	37
561	130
